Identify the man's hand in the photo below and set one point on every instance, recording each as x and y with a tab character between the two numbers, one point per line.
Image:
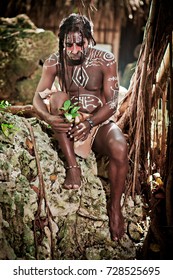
58	124
80	131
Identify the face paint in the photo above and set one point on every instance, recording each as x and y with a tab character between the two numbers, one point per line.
75	45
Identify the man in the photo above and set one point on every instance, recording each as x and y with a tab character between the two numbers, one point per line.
88	77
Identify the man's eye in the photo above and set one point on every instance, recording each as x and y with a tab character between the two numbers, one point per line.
80	44
69	45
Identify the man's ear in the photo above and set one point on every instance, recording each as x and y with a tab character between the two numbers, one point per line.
86	43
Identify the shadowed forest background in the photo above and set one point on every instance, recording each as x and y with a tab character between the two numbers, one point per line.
139	33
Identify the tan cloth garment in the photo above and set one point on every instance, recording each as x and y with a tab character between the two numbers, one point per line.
83	148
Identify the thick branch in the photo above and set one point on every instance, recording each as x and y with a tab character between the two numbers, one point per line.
23	110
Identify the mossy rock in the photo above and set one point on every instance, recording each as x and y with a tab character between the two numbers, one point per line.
23	49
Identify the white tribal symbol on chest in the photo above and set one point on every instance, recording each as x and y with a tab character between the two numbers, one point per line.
80	77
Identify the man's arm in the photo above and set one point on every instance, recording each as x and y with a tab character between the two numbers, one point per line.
46	82
110	91
47	79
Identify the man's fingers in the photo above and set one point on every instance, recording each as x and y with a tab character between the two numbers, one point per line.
81	136
61	128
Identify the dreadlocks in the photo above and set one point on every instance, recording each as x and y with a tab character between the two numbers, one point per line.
73	23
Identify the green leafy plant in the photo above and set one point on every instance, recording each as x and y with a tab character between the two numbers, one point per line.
8	129
70	110
4	104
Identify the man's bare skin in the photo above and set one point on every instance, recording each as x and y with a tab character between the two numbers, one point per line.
91	81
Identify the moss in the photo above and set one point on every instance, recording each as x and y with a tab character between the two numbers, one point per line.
21	50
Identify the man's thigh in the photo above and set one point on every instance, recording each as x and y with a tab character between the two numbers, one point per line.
108	136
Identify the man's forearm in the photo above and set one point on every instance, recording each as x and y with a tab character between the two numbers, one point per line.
103	114
40	108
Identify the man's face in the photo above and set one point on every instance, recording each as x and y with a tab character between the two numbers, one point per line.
75	46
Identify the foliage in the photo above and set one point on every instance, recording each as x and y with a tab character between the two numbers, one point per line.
4	104
6	128
70	111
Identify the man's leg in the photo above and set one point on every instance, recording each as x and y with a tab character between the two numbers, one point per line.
114	145
73	172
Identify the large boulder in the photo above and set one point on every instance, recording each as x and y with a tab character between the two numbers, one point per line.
39	219
23	48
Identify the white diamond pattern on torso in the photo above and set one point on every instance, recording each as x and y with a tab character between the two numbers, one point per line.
80	77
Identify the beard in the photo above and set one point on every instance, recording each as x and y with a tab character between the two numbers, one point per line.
75	59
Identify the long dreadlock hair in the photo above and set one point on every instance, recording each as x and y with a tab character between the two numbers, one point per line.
73	23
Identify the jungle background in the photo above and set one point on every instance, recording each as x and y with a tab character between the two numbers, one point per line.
145	112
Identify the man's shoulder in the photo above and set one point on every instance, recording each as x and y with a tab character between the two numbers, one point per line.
52	60
102	55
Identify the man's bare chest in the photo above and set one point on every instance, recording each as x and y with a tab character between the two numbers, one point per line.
87	79
84	87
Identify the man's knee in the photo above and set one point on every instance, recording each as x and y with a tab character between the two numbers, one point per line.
118	151
57	100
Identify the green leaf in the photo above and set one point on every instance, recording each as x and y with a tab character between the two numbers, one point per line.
68	116
66	105
8	128
5	129
75	115
74	110
4	104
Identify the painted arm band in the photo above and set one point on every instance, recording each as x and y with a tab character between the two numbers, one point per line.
91	123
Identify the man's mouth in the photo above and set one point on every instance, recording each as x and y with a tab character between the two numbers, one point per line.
75	56
75	59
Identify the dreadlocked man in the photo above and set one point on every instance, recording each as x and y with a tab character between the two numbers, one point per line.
87	76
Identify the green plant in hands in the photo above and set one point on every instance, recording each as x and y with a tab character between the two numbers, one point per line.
70	110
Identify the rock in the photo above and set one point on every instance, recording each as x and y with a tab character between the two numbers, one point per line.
23	48
68	224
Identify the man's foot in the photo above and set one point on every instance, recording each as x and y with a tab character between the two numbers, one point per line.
116	223
73	177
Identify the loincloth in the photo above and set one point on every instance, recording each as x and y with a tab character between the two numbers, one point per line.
83	148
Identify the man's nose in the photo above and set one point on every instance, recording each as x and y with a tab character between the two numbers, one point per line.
75	49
